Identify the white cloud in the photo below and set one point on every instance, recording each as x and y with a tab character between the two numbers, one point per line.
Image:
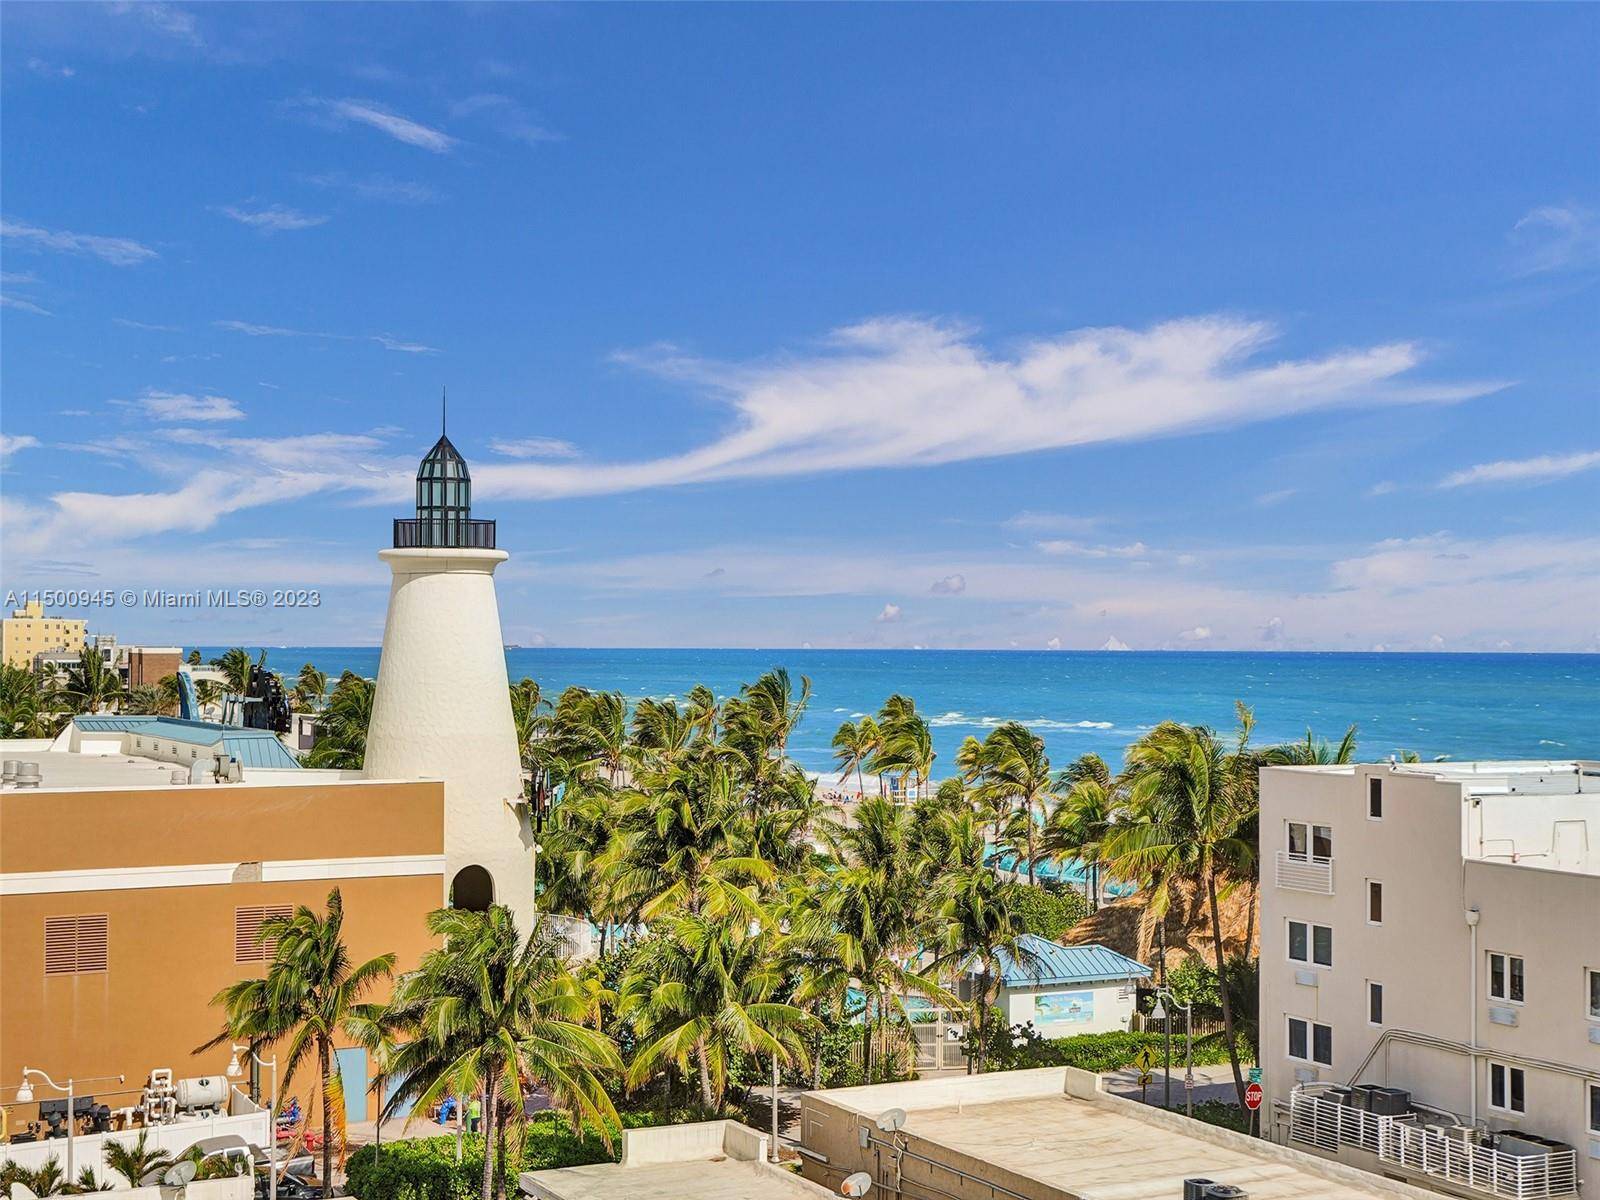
1029	519
506	116
387	341
1053	644
1382	488
250	329
891	612
375	187
902	392
393	343
1059	547
22	305
181	406
1272	631
164	18
10	443
119	252
1524	470
376	116
533	447
1556	237
950	585
1200	633
1268	499
131	324
273	219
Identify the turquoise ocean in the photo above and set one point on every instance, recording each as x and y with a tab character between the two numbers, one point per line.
1463	706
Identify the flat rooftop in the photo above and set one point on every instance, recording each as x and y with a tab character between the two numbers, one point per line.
1023	1130
65	770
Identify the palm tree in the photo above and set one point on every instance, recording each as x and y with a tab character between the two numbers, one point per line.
91	686
492	1013
853	744
25	704
1191	805
310	688
342	725
1314	752
207	694
236	669
143	698
1077	826
705	987
977	921
194	659
1015	776
310	996
137	1162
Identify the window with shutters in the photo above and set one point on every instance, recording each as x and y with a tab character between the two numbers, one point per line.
248	945
75	945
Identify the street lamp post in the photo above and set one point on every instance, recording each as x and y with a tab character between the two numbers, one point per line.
25	1096
1161	1014
235	1070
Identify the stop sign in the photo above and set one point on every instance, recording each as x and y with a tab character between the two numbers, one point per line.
1252	1097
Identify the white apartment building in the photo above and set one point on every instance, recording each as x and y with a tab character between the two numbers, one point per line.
1435	928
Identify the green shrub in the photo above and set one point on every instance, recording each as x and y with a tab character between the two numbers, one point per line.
1019	1046
1048	910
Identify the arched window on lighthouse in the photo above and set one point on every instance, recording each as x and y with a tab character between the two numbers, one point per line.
472	889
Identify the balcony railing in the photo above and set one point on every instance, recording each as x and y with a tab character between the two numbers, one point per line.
1305	872
413	534
1424	1149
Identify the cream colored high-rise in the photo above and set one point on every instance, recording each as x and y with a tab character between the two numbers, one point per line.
28	631
1436	928
443	708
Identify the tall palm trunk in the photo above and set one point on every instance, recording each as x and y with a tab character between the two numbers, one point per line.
707	1100
1028	816
1222	984
488	1134
325	1052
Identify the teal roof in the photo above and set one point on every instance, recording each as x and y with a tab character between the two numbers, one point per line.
1047	962
252	747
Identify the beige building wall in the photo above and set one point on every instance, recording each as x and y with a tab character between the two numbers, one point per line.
1433	973
28	631
169	868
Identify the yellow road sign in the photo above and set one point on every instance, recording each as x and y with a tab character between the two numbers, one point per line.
1146	1059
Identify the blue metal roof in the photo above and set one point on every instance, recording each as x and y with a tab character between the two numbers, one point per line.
1047	963
252	747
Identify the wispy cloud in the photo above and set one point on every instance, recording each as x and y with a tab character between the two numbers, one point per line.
1060	547
375	187
10	443
950	585
182	406
376	116
1542	469
1032	520
273	219
506	116
1269	499
404	347
129	323
49	69
1556	237
23	305
118	251
904	392
533	447
251	329
168	19
387	341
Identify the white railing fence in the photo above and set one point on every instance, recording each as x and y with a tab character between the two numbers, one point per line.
1328	1125
1305	872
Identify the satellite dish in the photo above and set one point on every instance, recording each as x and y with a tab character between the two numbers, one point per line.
152	1176
525	1183
179	1174
21	1191
858	1184
892	1120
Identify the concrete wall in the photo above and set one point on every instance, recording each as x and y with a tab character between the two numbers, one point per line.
1423	952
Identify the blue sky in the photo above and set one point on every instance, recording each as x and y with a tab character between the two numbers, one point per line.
1243	327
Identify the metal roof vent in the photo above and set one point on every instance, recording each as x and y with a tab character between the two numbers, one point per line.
28	775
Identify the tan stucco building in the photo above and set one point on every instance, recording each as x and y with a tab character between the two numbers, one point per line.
28	631
1435	928
128	900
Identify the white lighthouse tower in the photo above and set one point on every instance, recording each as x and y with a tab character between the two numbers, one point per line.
443	707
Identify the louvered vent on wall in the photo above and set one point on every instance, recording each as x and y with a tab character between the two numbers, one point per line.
75	945
248	945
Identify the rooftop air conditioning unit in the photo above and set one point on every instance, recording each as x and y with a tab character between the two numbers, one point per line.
1225	1191
1197	1189
179	778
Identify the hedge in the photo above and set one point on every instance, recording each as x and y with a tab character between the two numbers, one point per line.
1097	1052
426	1168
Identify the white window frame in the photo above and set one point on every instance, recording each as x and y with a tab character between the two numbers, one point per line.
1508	1071
1309	835
1593	1096
1375	792
1311	1041
1374	985
1508	958
1591	992
1311	928
1375	883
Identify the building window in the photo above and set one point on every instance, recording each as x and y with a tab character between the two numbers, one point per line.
1313	843
1310	944
1374	1003
1375	799
1374	902
248	944
1594	993
1507	1088
1505	978
1310	1042
1594	1108
75	945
